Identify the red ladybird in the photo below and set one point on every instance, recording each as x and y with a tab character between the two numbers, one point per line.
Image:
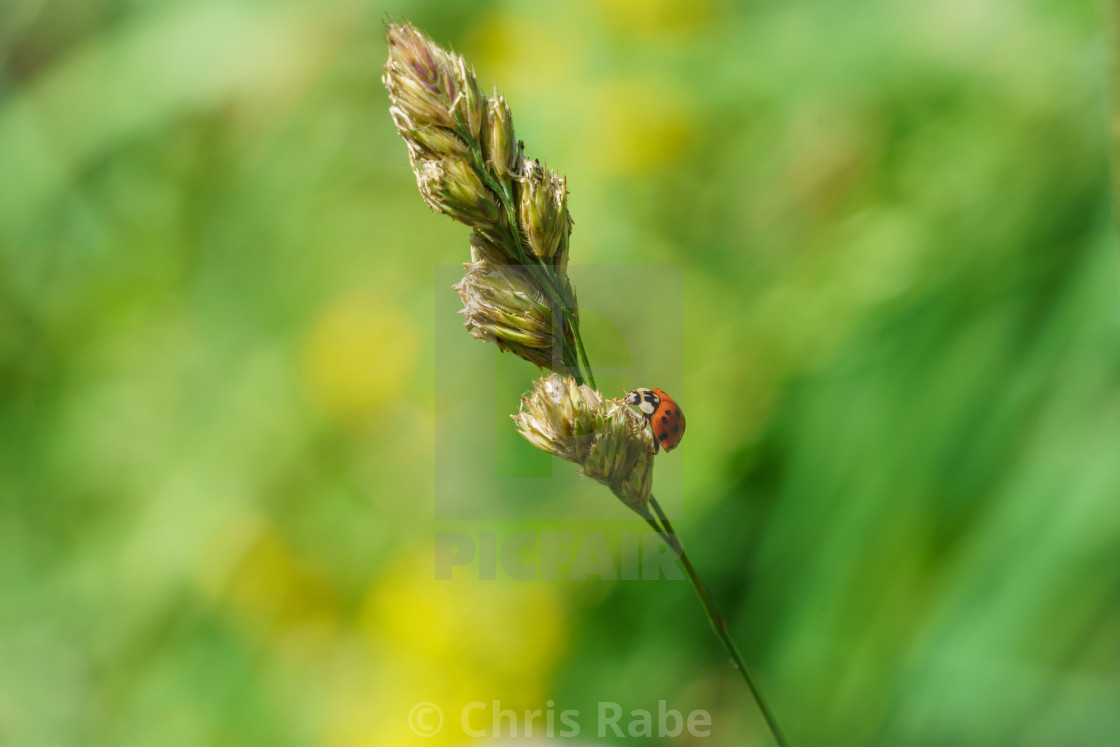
664	416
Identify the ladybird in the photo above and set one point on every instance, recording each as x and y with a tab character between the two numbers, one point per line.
664	416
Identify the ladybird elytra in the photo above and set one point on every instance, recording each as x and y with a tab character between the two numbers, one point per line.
662	413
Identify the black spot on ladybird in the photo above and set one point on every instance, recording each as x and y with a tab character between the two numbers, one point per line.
676	428
662	436
664	419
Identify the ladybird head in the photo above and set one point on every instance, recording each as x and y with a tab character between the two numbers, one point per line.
646	400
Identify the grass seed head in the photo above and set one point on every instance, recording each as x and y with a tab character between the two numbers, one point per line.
469	166
503	304
499	139
604	436
543	210
451	187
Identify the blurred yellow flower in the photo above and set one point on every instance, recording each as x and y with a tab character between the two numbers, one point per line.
281	595
653	17
524	54
449	643
359	354
638	125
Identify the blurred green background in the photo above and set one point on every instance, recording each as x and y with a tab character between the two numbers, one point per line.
899	355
